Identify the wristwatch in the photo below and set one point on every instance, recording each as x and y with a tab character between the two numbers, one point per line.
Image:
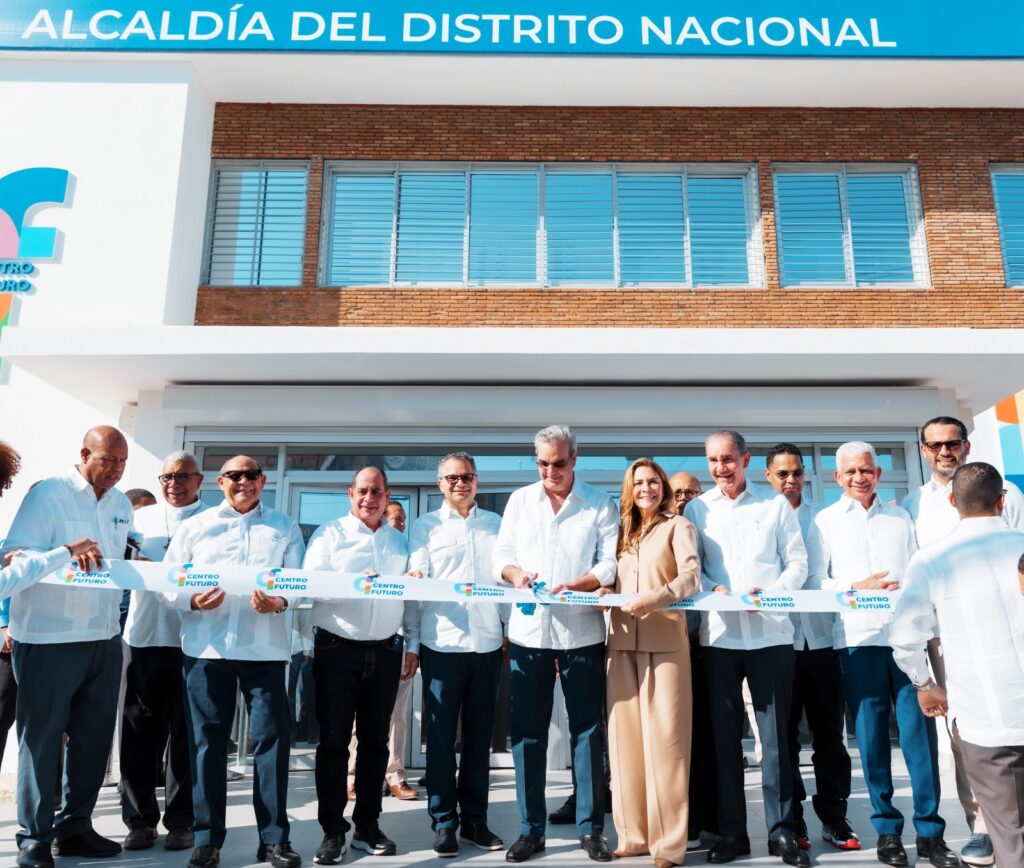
927	684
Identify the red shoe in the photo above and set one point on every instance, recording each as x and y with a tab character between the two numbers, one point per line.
839	834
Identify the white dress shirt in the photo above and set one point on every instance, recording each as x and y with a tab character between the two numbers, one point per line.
559	547
935	518
347	545
151	623
29	567
848	543
262	537
60	510
967	588
751	542
816	629
446	546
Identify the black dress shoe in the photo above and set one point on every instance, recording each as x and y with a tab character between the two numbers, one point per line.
480	836
90	844
524	847
596	847
35	856
727	849
280	855
936	852
331	850
204	856
566	813
446	843
785	846
890	850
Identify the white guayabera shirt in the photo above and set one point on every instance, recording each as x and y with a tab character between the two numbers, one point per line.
558	546
935	518
449	547
848	543
966	588
151	623
814	628
262	537
751	542
59	510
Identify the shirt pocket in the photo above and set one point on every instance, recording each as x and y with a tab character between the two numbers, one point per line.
759	542
76	530
266	546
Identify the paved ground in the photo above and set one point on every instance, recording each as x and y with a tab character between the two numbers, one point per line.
408	825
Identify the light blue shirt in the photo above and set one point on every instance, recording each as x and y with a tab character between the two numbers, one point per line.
221	536
60	510
451	548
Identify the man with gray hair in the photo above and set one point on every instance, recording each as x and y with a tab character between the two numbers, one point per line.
460	652
558	534
153	716
863	543
749	543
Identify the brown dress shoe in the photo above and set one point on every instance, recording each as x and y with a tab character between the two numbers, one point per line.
403	791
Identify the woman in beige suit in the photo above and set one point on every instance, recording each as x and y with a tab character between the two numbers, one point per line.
649	702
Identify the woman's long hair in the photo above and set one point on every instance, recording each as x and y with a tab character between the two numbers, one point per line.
631	523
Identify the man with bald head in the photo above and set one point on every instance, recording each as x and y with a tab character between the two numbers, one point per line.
685	487
67	655
232	644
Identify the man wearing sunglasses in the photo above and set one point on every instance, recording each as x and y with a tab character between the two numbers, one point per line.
945	448
461	656
238	643
561	532
817	683
153	717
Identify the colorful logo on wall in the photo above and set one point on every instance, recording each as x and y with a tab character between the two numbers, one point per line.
21	194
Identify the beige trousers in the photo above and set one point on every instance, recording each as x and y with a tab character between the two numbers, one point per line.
649	726
397	736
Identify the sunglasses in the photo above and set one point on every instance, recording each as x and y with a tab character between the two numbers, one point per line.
236	475
180	478
558	465
936	445
454	478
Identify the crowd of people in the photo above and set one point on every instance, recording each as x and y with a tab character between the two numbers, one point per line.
656	700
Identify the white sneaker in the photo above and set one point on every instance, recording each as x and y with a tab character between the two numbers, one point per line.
978	850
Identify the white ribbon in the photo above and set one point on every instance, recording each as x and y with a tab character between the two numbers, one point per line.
328	585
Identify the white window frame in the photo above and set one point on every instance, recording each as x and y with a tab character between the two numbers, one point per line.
747	171
1003	169
915	214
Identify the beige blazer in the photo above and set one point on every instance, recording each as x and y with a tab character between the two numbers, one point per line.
663	570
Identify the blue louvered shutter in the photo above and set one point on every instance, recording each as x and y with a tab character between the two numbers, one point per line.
431	227
1009	195
503	228
579	227
809	217
362	224
257	227
651	229
719	230
880	229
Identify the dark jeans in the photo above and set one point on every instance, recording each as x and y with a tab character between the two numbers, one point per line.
68	687
152	722
769	672
211	686
458	686
818	692
873	684
355	683
581	671
8	700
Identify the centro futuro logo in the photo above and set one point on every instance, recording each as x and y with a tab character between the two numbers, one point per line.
184	578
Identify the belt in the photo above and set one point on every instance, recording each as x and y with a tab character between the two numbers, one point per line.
320	634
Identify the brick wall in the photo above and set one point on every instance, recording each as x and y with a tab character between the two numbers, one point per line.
951	147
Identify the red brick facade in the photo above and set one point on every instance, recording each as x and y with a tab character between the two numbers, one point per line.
951	147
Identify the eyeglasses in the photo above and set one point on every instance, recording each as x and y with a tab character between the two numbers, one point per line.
683	493
237	475
785	474
454	478
558	465
180	478
935	446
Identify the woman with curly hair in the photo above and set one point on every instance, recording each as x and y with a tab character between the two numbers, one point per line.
649	698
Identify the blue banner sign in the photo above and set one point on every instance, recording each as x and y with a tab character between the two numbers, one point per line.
827	28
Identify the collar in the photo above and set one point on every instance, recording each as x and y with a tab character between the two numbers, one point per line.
849	504
78	482
574	492
449	514
351	524
715	494
225	509
980	524
935	488
180	512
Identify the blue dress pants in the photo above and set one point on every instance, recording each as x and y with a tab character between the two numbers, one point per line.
459	686
68	687
873	684
581	671
211	687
